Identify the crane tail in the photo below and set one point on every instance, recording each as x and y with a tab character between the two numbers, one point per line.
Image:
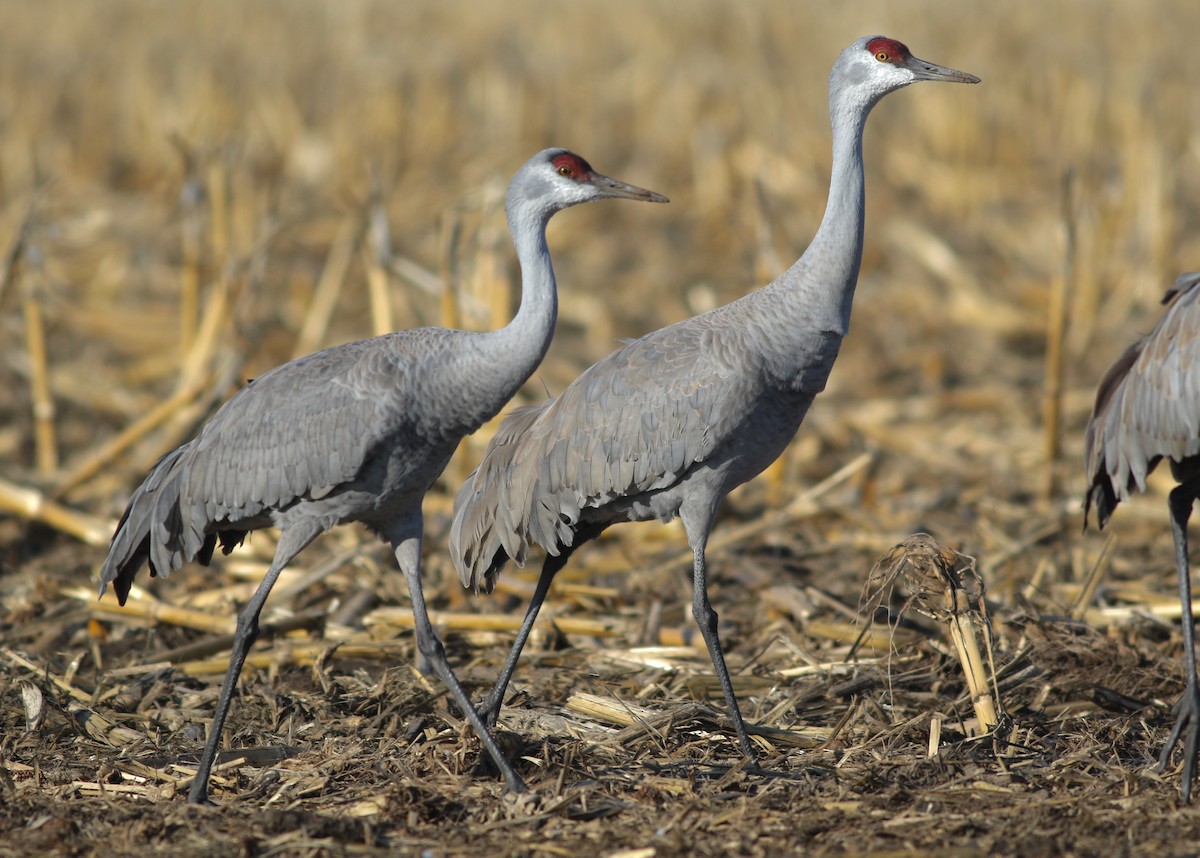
492	510
475	545
155	528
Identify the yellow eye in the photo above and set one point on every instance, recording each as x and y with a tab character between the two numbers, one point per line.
882	56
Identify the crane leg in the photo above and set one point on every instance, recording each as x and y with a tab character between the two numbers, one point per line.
1187	710
291	542
408	555
551	566
706	619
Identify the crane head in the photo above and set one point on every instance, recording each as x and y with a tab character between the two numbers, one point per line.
558	178
875	65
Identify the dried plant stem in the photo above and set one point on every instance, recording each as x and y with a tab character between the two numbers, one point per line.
804	504
609	710
20	661
102	456
377	253
403	618
1056	326
143	606
448	240
305	655
216	317
329	287
1088	592
45	440
35	506
219	205
962	632
191	241
942	585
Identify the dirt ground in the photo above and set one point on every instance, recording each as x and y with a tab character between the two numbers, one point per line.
192	193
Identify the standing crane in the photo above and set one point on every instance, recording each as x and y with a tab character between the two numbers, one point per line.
1148	409
356	432
669	424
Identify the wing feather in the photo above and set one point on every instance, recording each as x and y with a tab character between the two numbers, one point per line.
1147	404
634	422
302	429
297	432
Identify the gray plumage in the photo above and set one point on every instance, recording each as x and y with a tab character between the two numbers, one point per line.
670	423
1148	409
354	433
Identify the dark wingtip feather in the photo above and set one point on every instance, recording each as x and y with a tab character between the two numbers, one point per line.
493	572
1101	495
122	580
130	545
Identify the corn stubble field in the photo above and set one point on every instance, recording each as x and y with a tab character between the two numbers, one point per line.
193	193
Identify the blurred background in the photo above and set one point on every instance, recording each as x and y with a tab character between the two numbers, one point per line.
191	193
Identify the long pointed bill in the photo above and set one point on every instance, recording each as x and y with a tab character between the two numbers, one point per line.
613	188
931	71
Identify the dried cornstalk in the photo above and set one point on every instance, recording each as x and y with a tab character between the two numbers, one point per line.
329	286
14	657
1056	327
942	584
103	456
192	197
609	710
403	618
377	255
13	271
102	729
804	504
449	237
143	606
303	655
35	506
45	441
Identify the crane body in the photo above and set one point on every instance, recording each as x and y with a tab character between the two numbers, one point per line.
1148	409
667	425
354	433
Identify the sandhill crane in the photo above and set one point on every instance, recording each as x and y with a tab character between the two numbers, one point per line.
1148	409
357	432
667	425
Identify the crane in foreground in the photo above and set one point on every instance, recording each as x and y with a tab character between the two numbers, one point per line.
354	433
667	425
1148	409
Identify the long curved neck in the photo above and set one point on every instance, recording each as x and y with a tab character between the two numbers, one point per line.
523	341
818	289
499	362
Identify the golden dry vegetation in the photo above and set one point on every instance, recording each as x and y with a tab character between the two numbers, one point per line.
191	193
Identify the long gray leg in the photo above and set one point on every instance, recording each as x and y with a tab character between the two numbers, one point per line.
1188	707
408	555
291	542
706	619
551	567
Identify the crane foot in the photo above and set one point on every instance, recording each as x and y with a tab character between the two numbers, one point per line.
1187	729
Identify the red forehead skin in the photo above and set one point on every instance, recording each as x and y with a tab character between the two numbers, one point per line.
896	51
580	169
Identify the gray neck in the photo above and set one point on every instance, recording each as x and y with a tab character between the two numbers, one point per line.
523	341
817	291
495	364
796	323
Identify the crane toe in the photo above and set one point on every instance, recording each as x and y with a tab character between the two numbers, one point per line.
1186	728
